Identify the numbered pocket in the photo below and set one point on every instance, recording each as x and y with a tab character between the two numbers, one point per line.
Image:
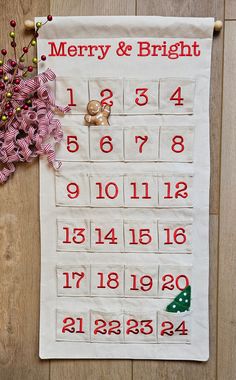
75	145
175	191
106	327
176	96
106	191
73	235
72	92
176	144
140	97
106	144
72	326
141	144
175	236
107	280
140	191
141	281
140	236
73	280
108	91
174	327
72	189
140	327
107	237
173	279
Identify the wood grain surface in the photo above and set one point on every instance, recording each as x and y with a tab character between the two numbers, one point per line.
19	218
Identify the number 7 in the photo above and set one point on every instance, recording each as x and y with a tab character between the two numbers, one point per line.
144	140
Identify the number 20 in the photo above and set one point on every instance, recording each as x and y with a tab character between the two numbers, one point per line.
170	282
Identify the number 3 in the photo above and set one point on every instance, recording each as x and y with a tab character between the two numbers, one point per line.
142	94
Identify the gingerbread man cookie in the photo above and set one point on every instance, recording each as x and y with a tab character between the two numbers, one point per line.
97	114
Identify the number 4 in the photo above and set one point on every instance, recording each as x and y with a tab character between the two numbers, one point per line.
176	96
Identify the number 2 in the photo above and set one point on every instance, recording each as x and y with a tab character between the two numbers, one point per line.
109	96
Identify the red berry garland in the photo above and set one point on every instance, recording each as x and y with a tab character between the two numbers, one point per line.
27	105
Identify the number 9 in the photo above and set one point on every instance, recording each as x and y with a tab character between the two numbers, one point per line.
73	190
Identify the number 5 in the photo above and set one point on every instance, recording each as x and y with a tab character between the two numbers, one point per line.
72	144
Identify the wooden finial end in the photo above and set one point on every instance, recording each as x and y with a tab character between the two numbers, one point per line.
218	26
29	24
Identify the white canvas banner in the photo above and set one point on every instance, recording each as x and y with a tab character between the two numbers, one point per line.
124	221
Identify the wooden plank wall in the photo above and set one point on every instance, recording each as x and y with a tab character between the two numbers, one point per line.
19	218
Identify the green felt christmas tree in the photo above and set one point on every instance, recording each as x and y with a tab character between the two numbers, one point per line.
181	302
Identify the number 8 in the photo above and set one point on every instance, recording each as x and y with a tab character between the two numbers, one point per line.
178	141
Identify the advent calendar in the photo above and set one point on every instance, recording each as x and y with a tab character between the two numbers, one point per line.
124	220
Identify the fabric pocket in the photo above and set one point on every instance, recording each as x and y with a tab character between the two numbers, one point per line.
73	280
140	327
176	96
107	237
140	191
174	328
140	236
106	327
175	191
72	92
175	236
75	144
141	281
106	144
107	280
173	279
176	144
141	143
106	191
72	326
73	235
140	96
72	189
107	91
